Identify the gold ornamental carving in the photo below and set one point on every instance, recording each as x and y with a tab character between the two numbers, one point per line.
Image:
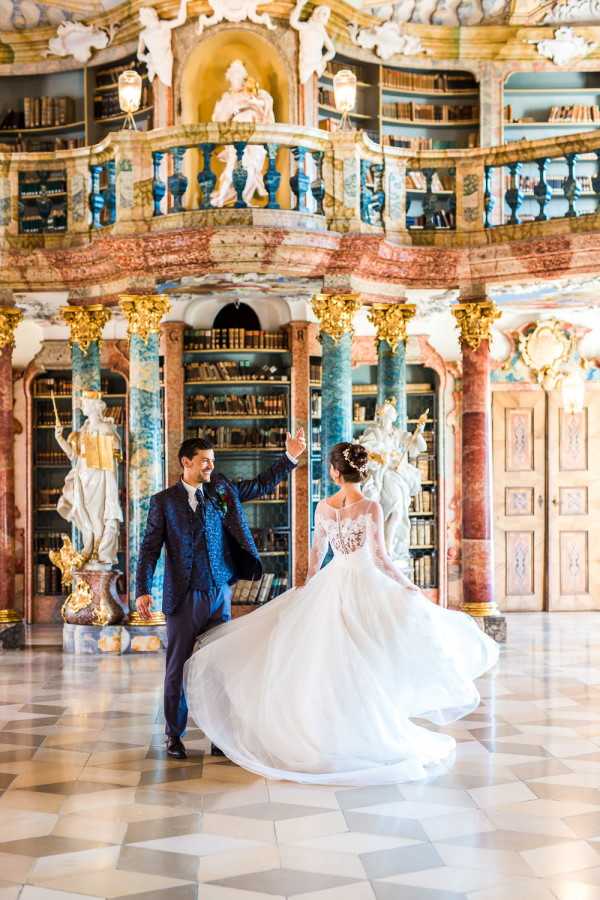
79	599
545	350
144	313
67	559
86	324
474	321
335	313
391	321
10	316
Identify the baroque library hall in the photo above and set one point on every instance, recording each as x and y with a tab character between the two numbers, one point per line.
299	403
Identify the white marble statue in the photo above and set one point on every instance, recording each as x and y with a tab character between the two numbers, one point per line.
154	42
316	47
234	11
90	497
78	40
393	480
245	101
387	39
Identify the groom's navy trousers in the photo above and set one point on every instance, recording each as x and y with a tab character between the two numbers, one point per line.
199	610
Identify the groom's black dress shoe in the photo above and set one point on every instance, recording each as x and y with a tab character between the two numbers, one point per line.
175	748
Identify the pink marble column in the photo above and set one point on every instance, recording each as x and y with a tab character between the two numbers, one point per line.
174	394
299	338
477	506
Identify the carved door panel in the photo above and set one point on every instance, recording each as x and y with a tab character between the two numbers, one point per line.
574	504
518	429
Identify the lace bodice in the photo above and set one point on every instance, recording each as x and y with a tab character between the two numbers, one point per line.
350	530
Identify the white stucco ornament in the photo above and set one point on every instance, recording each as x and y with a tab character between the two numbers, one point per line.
234	11
78	40
574	11
387	39
316	47
565	47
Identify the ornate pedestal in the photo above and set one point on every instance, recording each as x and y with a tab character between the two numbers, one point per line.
118	639
12	630
94	599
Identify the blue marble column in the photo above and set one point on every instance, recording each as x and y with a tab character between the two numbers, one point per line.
335	313
390	322
146	443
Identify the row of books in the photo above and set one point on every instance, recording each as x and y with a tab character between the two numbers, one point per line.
109	77
233	370
425	143
440	182
243	404
35	224
315	438
333	67
426	466
51	458
42	112
363	412
63	387
441	219
48	540
45	145
268	540
422	502
422	571
32	184
260	591
48	496
47	579
431	112
577	112
235	339
446	82
116	413
228	436
107	104
528	182
422	533
316	405
280	492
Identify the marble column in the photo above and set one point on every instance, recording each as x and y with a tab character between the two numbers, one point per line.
86	324
335	313
12	630
299	339
474	320
146	474
172	335
390	321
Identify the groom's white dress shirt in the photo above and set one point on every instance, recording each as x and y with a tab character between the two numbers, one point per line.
191	490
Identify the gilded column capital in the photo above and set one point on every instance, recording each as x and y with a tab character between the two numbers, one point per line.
474	321
391	321
10	316
144	312
86	324
335	313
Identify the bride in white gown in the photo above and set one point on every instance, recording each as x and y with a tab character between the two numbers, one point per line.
321	685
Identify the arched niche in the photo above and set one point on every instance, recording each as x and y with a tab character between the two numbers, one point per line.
272	313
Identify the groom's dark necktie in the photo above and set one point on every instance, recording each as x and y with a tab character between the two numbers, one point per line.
200	501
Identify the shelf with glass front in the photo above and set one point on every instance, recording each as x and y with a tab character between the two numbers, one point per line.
65	110
548	104
50	467
43	201
237	393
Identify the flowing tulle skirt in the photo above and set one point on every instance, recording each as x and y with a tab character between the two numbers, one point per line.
320	685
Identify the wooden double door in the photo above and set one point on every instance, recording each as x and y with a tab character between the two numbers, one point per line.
546	472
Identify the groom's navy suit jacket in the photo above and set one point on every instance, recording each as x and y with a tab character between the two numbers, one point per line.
230	548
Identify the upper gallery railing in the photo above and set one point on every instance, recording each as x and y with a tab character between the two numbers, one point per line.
280	176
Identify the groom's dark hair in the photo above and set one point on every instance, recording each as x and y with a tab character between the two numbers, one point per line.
190	447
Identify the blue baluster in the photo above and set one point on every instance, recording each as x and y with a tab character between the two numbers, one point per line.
365	192
178	183
158	186
96	196
111	191
206	178
240	175
317	187
300	182
542	190
571	188
272	177
489	201
378	193
596	181
514	195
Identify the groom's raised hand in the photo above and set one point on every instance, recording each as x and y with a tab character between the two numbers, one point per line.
296	445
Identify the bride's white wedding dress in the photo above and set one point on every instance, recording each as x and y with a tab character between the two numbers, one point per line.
320	685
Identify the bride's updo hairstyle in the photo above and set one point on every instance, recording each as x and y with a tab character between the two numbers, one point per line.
350	460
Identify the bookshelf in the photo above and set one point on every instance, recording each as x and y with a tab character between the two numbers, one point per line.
422	394
43	201
49	468
237	393
66	110
547	104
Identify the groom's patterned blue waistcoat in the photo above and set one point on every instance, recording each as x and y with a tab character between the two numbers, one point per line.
223	553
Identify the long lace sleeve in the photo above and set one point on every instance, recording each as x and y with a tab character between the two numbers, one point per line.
379	552
319	546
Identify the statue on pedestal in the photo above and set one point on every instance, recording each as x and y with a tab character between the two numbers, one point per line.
90	502
155	39
313	40
393	480
243	102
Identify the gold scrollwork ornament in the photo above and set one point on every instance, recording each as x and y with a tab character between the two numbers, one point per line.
335	313
391	321
144	313
67	559
86	324
10	316
77	600
474	321
545	350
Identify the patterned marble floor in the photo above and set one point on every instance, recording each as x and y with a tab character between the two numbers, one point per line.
90	807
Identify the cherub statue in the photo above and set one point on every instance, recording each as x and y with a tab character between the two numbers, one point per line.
155	37
78	40
90	497
393	480
234	11
313	40
245	101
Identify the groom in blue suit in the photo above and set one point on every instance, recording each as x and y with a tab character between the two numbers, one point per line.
208	547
